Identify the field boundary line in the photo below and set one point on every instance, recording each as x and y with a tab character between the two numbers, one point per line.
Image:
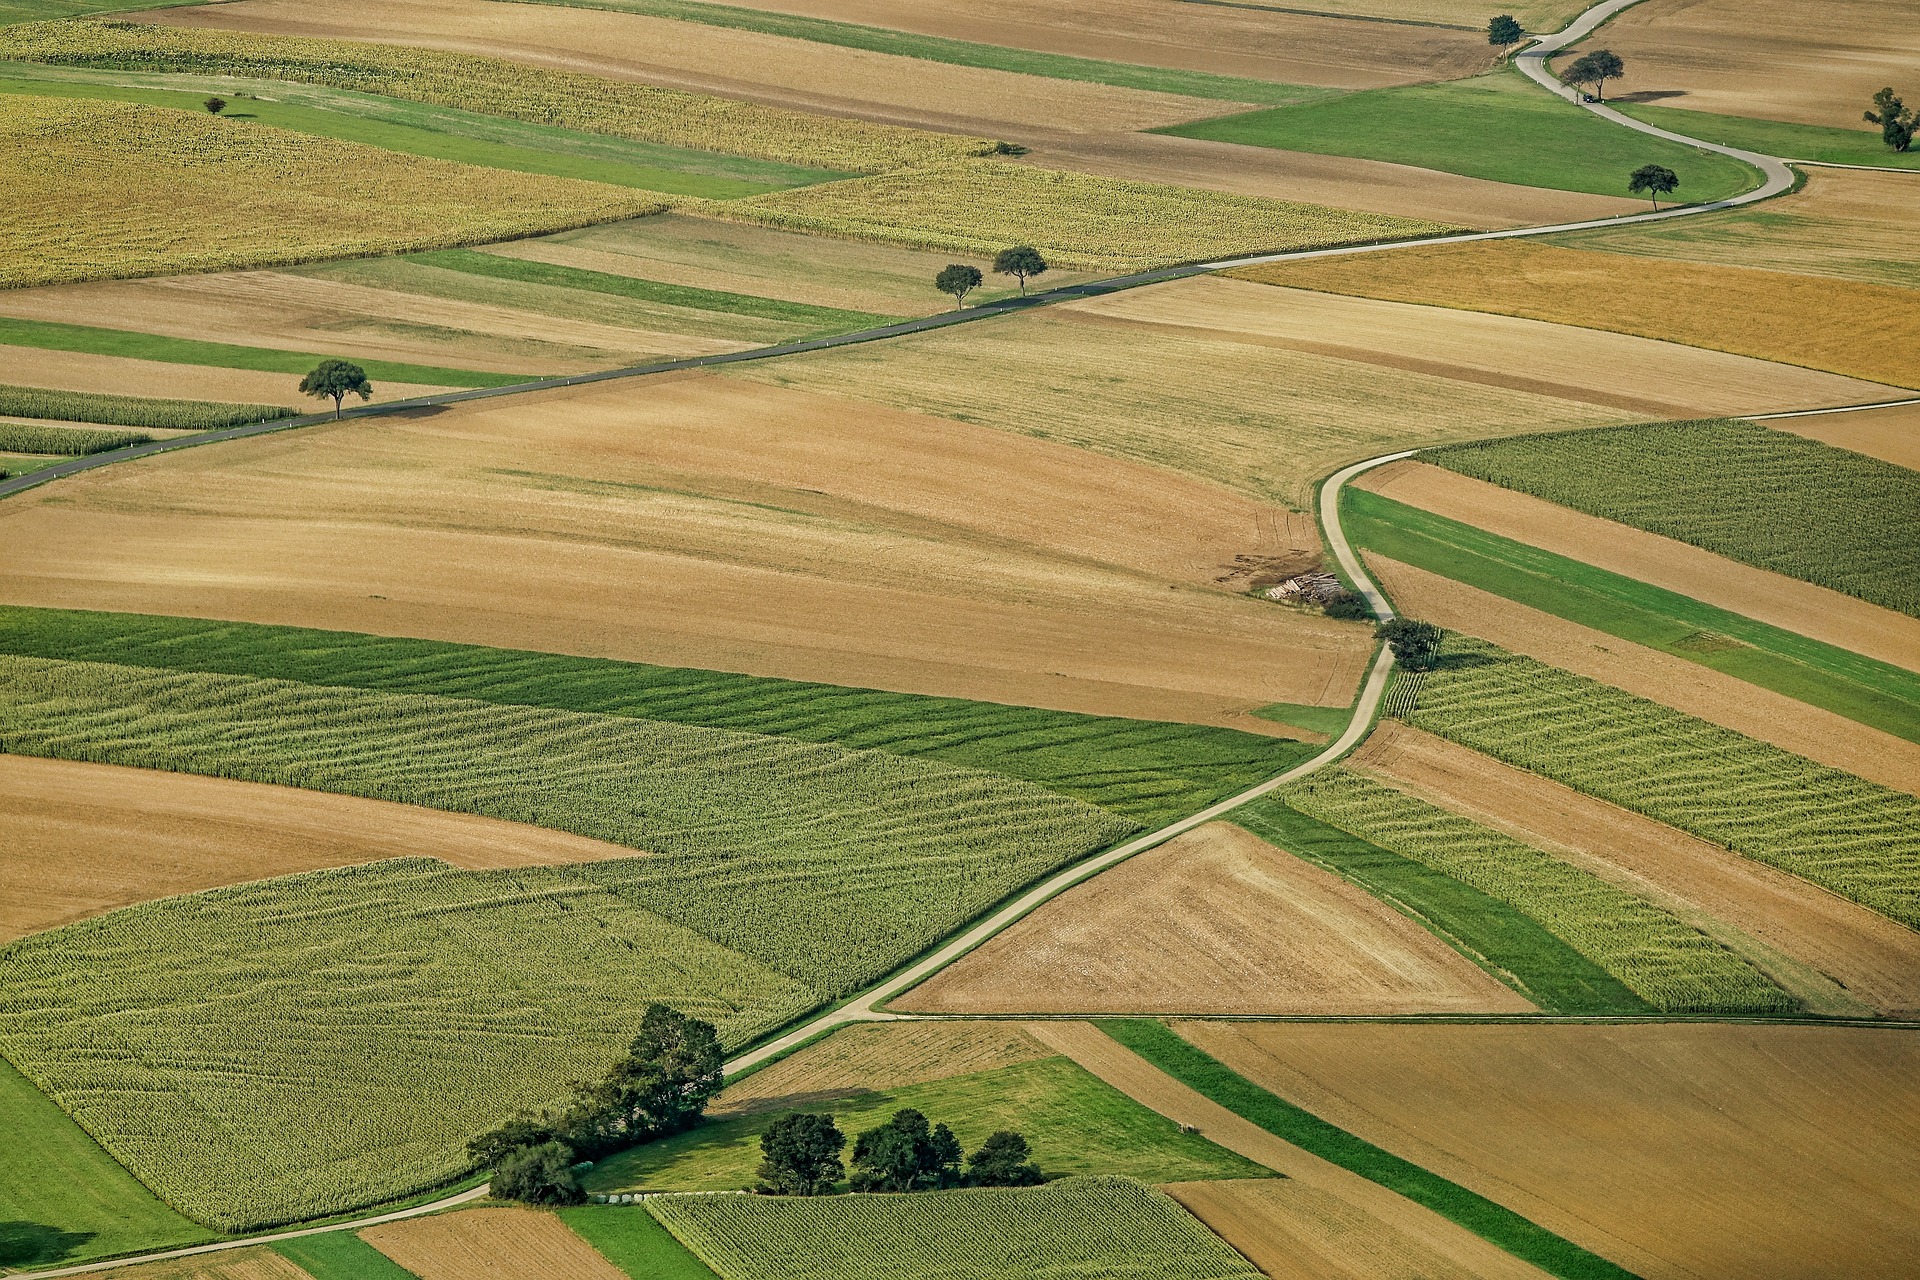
1815	413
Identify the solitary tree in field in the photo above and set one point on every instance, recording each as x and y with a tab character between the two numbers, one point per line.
1897	121
1023	261
216	105
1654	180
1003	1160
1594	70
336	380
1505	32
801	1156
958	280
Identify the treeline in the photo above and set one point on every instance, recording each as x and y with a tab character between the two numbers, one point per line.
800	1156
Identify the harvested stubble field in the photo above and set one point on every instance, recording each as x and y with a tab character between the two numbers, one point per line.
1891	435
111	184
86	838
1217	921
1110	1227
721	524
1669	964
1849	327
1859	840
130	411
1677	1151
478	1243
257	1263
882	1056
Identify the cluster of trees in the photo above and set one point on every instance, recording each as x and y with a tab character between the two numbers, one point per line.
1023	262
800	1156
1896	119
1416	645
671	1070
1593	70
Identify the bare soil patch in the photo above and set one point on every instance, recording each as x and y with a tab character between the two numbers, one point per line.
714	523
1675	1150
259	1263
1770	597
1217	921
481	1244
120	375
83	839
1891	435
878	1056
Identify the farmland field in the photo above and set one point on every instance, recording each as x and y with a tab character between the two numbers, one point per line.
339	1255
634	1242
884	1055
1891	435
1852	142
258	1263
20	437
479	1243
1092	1226
130	411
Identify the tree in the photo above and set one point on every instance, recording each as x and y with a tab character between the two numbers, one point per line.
216	105
335	380
904	1154
1655	180
1505	32
1415	644
492	1148
1349	606
1002	1161
672	1068
958	280
1896	120
1023	261
539	1175
801	1156
1595	69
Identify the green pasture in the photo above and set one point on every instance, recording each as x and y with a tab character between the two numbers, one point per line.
1776	137
12	11
340	1255
631	1240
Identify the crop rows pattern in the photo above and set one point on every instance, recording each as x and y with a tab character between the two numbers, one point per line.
1857	838
131	411
1665	962
1760	496
1113	1228
623	109
20	437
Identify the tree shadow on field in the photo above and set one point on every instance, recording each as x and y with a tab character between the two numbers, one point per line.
32	1243
1648	95
1462	661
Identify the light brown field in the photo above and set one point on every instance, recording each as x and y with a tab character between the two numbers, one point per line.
1891	435
880	1056
1776	1153
709	522
1862	330
86	838
1808	940
1769	597
121	375
1700	691
1215	921
482	1244
260	1263
1764	57
1414	1240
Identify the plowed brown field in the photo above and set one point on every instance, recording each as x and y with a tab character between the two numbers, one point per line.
1808	940
1892	435
714	523
1216	921
487	1244
123	376
259	1263
1678	1151
879	1056
1770	597
86	838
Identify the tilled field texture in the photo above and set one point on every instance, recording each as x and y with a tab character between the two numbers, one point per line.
879	1055
1217	921
477	1244
1676	1151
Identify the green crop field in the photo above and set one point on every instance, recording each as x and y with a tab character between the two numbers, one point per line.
1763	497
1079	1227
12	11
1150	771
631	1240
1859	840
1776	137
1823	675
63	1199
340	1255
131	411
19	437
1515	946
1076	1123
1671	965
1500	126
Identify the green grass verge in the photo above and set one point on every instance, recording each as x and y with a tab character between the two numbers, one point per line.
63	1199
1501	127
1763	497
1327	720
132	411
1149	771
823	319
1776	137
1510	943
340	1255
1198	1070
964	53
12	11
1873	693
51	335
18	437
631	1240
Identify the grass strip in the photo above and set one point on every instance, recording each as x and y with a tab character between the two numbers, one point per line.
631	1240
1515	946
18	437
131	411
1150	771
12	11
340	1255
1200	1071
1862	689
826	319
962	53
1776	137
53	335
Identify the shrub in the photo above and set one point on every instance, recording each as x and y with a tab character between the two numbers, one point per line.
539	1175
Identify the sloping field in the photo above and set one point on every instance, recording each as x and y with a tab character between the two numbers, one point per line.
1844	326
879	1056
1891	435
478	1243
720	524
86	838
1216	921
1764	59
1809	939
124	190
85	371
1677	1151
1769	597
